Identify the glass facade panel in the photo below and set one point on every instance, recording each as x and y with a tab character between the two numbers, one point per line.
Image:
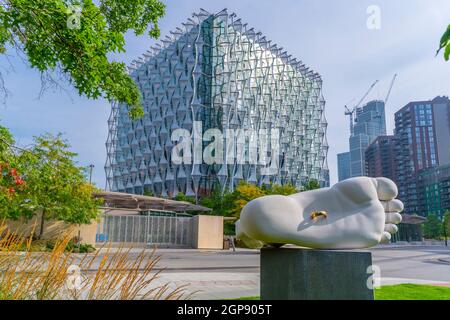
218	71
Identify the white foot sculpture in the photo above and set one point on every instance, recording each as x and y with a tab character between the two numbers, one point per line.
353	214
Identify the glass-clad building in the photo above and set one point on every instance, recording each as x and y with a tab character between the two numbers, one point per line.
343	160
370	122
247	109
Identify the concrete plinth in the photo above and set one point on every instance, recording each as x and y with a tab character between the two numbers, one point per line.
303	274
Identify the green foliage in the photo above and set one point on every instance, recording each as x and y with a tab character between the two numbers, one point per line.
54	36
311	185
229	229
14	201
182	197
72	246
243	194
445	44
285	190
230	204
432	227
6	140
57	186
52	183
220	204
148	193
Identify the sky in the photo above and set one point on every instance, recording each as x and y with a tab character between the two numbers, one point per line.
331	37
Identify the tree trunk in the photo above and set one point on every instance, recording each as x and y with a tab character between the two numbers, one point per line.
41	231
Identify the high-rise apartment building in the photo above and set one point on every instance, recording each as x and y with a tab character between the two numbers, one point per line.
422	133
369	123
217	81
441	117
380	158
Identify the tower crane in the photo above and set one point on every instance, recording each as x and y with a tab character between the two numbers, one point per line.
390	89
351	112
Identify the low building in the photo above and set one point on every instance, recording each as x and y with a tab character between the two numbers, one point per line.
410	229
141	221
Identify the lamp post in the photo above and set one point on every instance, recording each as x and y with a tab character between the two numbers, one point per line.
91	167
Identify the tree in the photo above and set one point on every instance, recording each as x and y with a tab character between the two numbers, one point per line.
58	187
432	227
182	197
75	38
286	189
446	226
148	193
44	179
221	204
445	44
12	190
231	203
310	185
243	194
14	201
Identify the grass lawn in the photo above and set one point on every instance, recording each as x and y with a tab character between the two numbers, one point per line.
412	292
404	292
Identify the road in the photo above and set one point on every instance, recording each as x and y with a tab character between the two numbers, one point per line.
228	274
419	263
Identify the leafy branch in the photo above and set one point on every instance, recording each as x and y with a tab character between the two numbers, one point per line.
40	29
445	44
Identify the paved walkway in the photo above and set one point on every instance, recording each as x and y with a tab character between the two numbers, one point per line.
215	285
212	274
239	276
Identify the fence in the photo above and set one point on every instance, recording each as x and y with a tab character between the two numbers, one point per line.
171	231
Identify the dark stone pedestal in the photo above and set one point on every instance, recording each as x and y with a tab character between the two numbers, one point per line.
303	274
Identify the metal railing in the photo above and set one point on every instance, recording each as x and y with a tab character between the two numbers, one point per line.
167	231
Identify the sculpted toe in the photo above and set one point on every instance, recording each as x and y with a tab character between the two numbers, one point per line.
358	190
386	237
393	206
393	218
391	228
386	188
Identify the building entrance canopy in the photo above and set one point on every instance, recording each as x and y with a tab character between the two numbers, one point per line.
119	200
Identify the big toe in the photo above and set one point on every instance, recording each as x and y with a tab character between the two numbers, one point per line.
386	189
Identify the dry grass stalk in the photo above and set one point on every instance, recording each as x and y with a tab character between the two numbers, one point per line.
46	275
